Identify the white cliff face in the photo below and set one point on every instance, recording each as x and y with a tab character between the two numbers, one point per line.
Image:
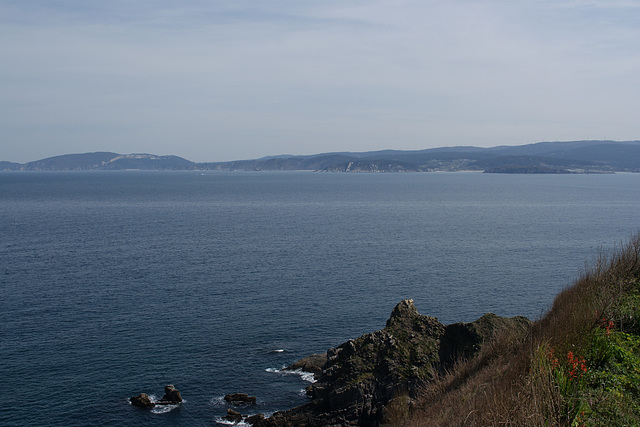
135	156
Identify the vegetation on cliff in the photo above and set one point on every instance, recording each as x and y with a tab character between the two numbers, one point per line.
578	366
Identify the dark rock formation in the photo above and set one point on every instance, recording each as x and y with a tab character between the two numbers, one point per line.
233	416
313	363
361	377
171	395
240	398
142	401
257	420
464	340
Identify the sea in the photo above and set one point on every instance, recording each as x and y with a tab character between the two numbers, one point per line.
118	283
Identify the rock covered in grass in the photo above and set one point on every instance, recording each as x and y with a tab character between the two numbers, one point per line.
464	340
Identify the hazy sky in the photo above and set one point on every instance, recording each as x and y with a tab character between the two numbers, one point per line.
220	80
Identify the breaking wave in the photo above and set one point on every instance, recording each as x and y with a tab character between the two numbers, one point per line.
306	376
160	409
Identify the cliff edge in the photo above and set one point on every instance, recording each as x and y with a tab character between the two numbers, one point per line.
360	379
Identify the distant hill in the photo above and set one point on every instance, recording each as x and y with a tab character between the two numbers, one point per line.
102	161
9	166
542	157
87	161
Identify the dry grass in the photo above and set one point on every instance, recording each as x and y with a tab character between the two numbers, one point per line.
508	383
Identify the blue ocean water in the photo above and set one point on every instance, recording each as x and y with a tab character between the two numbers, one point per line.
116	283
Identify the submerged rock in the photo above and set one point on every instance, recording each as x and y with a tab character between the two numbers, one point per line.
240	398
171	395
142	401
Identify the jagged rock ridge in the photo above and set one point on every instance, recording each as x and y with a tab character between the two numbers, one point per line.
361	377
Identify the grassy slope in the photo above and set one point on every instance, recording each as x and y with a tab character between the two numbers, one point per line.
580	364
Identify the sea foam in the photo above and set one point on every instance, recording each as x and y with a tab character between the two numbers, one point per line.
306	376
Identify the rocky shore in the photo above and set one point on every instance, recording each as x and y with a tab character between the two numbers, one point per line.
360	381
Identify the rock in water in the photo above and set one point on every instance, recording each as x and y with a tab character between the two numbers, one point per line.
171	395
142	401
240	398
313	363
233	416
256	420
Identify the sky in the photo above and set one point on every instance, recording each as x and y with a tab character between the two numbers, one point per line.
216	80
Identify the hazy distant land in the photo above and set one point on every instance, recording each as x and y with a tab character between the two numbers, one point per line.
542	157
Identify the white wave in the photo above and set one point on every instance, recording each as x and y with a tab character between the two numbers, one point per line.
162	409
220	420
306	376
218	401
279	350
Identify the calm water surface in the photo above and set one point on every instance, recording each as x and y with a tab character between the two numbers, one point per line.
119	283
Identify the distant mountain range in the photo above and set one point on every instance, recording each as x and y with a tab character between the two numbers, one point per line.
542	157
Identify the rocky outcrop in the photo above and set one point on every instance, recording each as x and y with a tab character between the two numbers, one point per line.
142	401
313	363
171	395
360	378
362	375
257	420
464	340
233	416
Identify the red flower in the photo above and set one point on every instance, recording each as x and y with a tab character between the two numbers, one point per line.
553	360
576	363
607	325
